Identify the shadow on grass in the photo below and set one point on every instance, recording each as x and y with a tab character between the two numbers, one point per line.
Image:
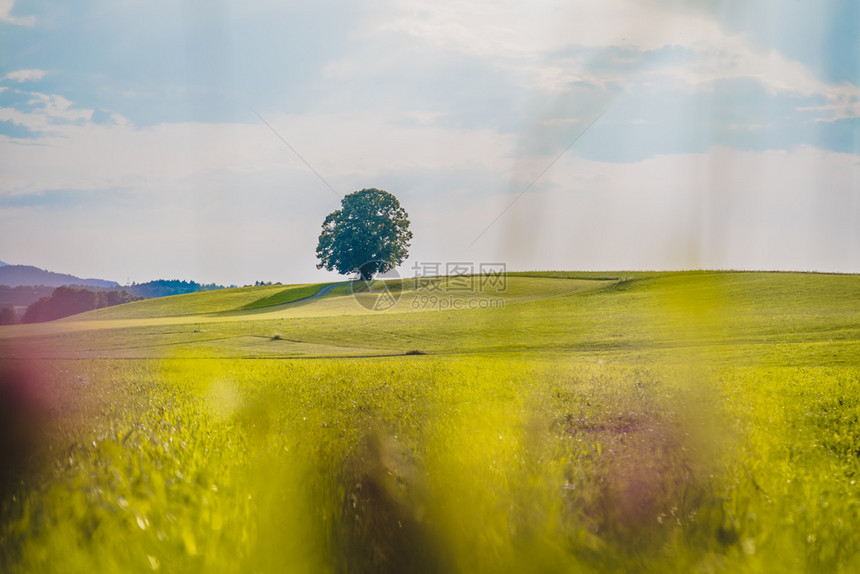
382	525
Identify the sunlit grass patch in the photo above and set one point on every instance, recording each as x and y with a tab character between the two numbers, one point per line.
439	465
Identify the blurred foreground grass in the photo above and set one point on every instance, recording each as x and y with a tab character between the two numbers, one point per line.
435	464
655	422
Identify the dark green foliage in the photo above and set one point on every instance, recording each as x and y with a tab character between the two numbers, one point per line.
65	301
166	287
368	235
8	316
23	295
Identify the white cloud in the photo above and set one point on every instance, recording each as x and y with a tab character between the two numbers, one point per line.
58	107
724	209
50	113
844	104
561	122
515	29
345	148
732	58
26	75
6	14
524	38
529	38
179	187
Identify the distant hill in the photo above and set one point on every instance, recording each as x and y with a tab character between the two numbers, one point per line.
15	275
65	301
2	264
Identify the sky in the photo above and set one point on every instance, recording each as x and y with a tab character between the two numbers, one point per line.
208	140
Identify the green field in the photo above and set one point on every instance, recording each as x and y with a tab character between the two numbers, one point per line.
559	422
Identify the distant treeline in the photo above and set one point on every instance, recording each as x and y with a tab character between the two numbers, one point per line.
165	287
23	295
65	301
49	303
8	316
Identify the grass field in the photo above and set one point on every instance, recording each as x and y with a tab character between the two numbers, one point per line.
561	422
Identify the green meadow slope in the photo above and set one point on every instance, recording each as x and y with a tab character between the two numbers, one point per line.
203	302
752	318
561	422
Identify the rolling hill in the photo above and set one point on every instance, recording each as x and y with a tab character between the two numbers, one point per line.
560	422
17	275
788	318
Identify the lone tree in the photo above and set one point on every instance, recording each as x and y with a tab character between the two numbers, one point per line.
369	234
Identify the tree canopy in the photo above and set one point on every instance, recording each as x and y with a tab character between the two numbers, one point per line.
369	234
65	301
166	287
